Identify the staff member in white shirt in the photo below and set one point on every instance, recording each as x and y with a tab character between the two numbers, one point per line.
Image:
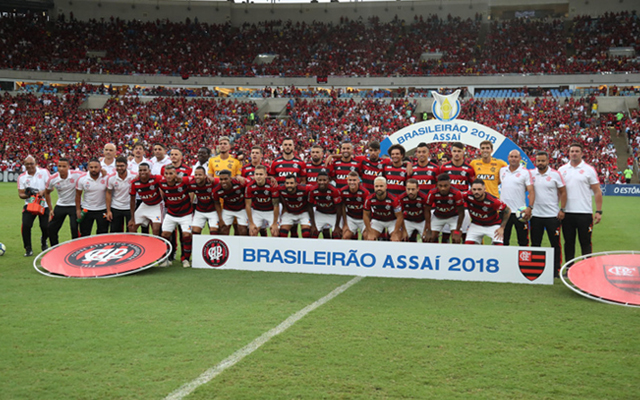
581	181
108	162
64	181
159	159
138	158
31	182
118	197
94	187
550	190
516	181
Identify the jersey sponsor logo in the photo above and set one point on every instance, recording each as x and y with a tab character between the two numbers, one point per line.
370	172
487	177
215	253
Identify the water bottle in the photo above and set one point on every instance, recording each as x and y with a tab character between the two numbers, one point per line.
82	215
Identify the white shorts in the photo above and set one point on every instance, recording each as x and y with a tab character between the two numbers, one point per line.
355	224
146	214
290	219
380	226
414	226
447	228
262	219
438	224
200	219
477	232
170	223
325	221
240	216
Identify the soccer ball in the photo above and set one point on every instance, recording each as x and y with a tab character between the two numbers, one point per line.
2	249
520	213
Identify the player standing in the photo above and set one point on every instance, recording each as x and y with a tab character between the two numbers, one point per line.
448	210
382	211
94	202
516	180
326	199
256	155
224	161
117	196
371	165
397	172
207	205
147	188
461	176
424	170
262	204
175	191
31	182
353	197
488	168
489	215
341	167
316	165
64	181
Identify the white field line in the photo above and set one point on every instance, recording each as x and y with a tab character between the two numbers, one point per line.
233	359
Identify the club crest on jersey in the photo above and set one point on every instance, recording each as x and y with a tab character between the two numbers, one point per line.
446	107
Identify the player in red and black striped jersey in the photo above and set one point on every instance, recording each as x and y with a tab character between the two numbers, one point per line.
288	164
353	197
255	156
413	203
175	155
371	165
341	167
262	204
179	205
460	172
448	210
398	171
489	215
147	187
316	165
207	205
326	199
382	211
424	170
296	207
231	192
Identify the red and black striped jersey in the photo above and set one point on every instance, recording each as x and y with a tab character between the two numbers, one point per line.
354	201
413	209
396	178
369	170
326	201
445	206
181	171
176	197
206	195
461	176
261	196
382	210
248	170
484	212
427	176
296	202
280	168
340	169
148	191
313	170
233	197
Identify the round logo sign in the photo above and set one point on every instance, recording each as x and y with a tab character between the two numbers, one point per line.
215	253
104	254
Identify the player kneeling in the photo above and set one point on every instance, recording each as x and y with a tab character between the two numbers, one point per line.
382	211
326	199
208	209
262	204
296	207
353	197
448	210
413	202
175	191
489	215
231	191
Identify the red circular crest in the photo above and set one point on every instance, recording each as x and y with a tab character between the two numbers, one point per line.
215	253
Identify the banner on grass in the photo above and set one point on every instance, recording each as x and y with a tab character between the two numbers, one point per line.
381	259
620	190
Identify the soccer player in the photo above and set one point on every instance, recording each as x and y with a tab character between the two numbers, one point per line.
516	180
581	180
448	210
341	167
224	161
159	159
326	199
296	207
204	154
461	176
288	164
550	189
31	182
175	155
108	162
488	168
138	157
317	165
262	203
231	192
64	181
371	165
424	170
382	211
397	172
255	156
94	202
353	197
117	196
177	200
207	203
149	211
489	215
413	203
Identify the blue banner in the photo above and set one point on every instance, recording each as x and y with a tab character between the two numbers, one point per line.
620	190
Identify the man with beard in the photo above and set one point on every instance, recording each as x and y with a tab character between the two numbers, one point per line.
94	204
317	165
159	159
30	183
461	175
117	196
489	215
353	197
371	165
147	188
175	191
296	207
231	192
203	160
207	203
262	204
64	181
398	171
516	180
413	202
448	210
341	167
326	199
382	211
288	164
175	155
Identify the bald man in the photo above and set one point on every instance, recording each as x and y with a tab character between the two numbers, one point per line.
516	182
30	183
108	162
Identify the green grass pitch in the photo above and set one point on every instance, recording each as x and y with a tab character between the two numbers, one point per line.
145	335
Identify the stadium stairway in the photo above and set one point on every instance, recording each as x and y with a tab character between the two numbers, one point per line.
622	151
